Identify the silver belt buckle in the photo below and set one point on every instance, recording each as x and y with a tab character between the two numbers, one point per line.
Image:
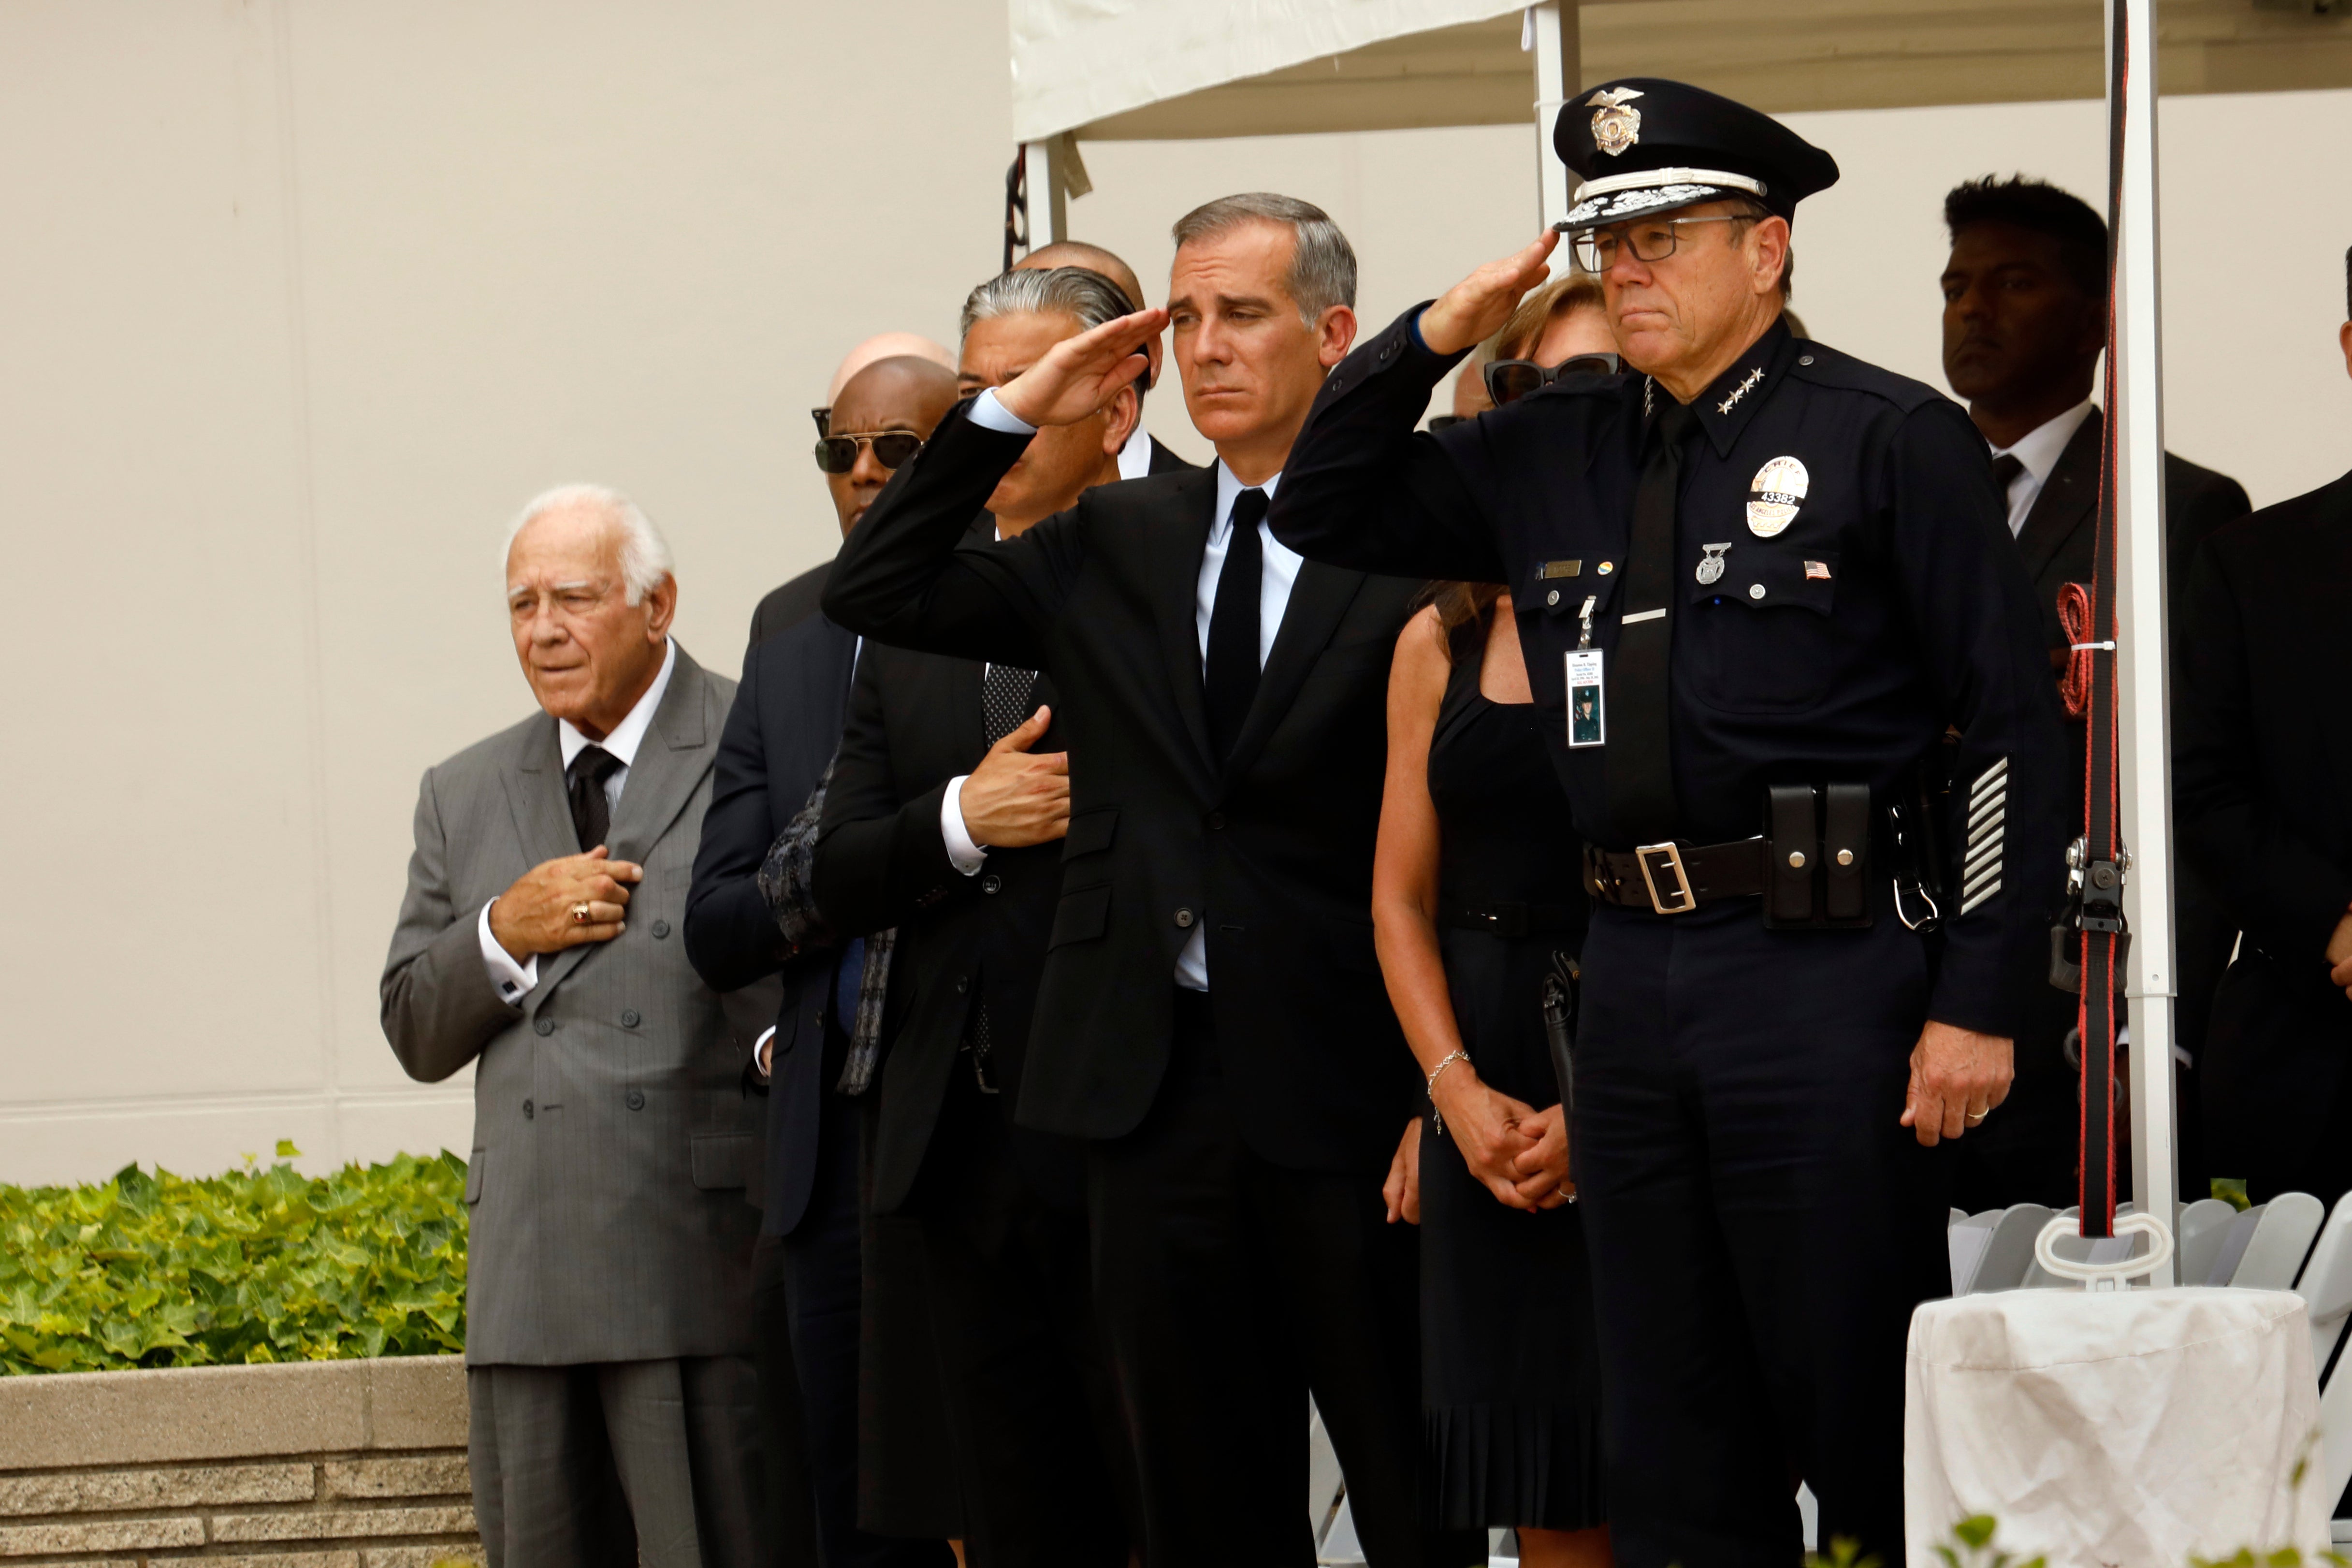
1671	855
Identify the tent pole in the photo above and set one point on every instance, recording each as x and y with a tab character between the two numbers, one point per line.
1049	209
1555	35
2142	714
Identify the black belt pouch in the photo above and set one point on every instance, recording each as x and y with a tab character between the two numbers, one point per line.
1817	849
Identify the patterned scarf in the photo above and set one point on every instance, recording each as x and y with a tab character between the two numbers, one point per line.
786	880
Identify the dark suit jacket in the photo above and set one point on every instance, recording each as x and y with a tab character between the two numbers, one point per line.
780	734
1164	461
786	607
2057	544
2264	771
915	723
1272	850
2058	536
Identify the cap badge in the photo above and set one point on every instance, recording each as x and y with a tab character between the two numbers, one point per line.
1710	571
1615	126
1774	495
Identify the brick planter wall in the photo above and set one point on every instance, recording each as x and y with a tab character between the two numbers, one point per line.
349	1464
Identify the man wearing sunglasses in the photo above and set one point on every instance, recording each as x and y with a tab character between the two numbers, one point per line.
811	1261
895	409
944	824
1779	576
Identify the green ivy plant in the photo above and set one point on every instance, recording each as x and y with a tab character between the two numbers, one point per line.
259	1265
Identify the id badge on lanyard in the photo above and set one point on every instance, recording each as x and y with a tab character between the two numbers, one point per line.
1587	693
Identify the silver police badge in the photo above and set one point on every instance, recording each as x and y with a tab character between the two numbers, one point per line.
1615	126
1774	495
1710	571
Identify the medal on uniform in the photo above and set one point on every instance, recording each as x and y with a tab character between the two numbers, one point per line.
1710	571
1588	723
1774	495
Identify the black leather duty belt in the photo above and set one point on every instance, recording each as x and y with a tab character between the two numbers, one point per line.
1676	878
1509	918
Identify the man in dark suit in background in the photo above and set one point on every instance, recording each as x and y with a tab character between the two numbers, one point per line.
1210	1018
750	913
853	477
944	822
2264	781
1142	455
2025	319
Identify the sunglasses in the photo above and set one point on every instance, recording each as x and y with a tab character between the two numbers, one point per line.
838	454
1508	379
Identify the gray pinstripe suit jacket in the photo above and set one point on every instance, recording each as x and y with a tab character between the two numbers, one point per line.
611	1134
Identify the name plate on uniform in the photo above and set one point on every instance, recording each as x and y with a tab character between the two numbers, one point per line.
1587	713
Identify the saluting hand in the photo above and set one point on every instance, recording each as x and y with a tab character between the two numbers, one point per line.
1078	375
536	915
1476	308
1015	798
1957	1077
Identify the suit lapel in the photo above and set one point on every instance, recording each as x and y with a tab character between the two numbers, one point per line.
1174	588
534	781
1318	599
2068	499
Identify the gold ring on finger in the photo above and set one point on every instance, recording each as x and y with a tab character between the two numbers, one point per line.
580	912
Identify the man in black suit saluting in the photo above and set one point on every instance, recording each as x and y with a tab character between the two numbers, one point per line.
1210	1018
944	822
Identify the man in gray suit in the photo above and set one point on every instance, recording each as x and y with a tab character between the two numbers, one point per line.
609	1345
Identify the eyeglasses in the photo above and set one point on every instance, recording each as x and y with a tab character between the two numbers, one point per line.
838	454
1508	379
1649	239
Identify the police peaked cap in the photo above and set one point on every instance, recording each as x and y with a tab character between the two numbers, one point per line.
1643	145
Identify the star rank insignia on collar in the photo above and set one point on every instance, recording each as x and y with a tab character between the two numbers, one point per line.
1742	390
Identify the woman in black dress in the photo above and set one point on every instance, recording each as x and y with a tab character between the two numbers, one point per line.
1475	887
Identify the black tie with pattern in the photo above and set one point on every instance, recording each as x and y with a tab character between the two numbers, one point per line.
1231	671
1004	694
584	781
1639	763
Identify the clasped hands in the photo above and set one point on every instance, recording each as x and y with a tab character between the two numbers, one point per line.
536	915
1517	1152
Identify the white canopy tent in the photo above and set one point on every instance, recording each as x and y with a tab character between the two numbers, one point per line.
1150	70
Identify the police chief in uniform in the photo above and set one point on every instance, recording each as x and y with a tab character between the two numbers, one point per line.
1766	579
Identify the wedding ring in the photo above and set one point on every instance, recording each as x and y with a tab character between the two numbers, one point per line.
1977	1116
580	912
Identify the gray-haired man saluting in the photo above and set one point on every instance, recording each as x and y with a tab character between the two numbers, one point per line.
608	1341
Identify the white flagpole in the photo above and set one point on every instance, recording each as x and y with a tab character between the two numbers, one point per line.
2144	751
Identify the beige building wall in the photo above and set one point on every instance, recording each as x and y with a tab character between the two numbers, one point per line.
299	302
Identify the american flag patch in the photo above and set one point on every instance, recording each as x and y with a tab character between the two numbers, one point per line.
1817	569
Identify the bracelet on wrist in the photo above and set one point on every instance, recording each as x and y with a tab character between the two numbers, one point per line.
1436	1117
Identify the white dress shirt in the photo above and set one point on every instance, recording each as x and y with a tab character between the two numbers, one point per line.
1277	574
2039	450
1135	458
514	980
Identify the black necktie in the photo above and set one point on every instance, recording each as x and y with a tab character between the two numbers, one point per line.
1231	671
1639	759
591	813
1004	701
2005	469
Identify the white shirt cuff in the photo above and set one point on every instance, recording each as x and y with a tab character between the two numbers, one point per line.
962	853
514	981
990	415
760	1061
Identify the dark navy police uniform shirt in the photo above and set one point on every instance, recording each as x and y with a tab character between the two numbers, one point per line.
1836	643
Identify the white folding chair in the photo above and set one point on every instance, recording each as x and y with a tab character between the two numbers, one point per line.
2325	1287
1965	1241
2010	1251
2275	1252
1326	1496
2197	1235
